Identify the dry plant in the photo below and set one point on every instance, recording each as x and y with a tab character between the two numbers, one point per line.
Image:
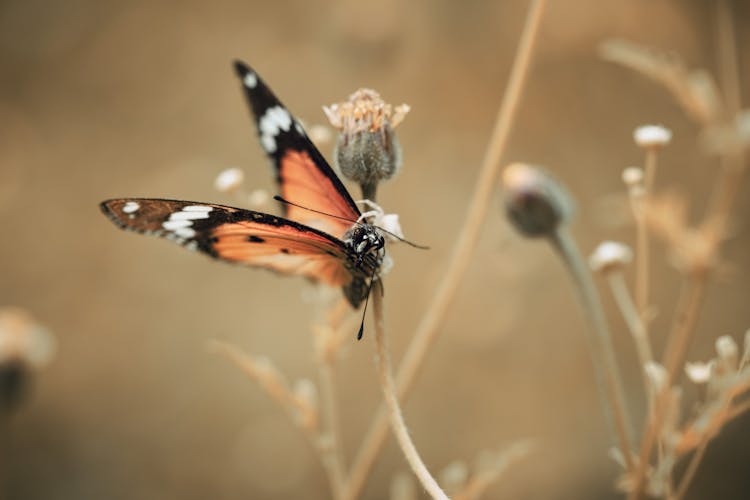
318	417
538	206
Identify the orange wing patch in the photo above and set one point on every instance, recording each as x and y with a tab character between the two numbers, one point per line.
304	183
284	249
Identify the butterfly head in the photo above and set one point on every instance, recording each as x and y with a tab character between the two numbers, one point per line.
365	240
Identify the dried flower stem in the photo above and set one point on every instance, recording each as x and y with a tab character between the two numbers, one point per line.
642	257
691	468
464	248
634	321
602	353
394	410
281	394
329	408
679	339
480	481
723	200
327	348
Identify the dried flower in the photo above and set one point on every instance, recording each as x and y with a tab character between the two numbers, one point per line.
536	203
229	180
24	346
367	150
610	255
633	176
699	372
652	136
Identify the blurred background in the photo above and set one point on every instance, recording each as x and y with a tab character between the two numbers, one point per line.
107	99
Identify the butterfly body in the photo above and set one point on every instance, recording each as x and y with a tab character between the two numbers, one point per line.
320	235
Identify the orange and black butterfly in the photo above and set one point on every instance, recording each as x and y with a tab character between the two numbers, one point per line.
324	241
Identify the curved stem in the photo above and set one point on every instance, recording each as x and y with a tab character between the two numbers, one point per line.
462	252
394	410
602	353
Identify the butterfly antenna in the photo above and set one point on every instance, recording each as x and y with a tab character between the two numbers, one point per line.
287	202
399	238
367	300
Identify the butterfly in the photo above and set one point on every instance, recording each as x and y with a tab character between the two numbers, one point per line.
321	235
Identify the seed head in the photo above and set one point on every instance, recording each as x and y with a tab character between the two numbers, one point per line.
652	136
535	203
610	255
367	150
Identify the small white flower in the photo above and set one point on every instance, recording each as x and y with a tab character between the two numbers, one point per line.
699	372
229	180
609	255
632	176
652	136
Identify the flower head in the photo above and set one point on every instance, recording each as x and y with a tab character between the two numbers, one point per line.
652	136
367	150
536	203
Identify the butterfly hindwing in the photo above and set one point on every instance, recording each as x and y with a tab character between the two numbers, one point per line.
239	236
304	176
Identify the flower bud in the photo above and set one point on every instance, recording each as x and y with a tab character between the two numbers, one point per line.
367	150
535	203
25	346
610	255
652	136
632	176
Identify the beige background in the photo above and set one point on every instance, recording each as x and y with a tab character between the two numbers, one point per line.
100	99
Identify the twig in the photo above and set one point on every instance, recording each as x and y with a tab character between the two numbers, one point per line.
679	339
330	414
642	254
602	353
327	347
634	321
394	410
464	248
481	480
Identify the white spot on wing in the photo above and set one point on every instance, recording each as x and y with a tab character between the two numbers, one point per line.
172	225
250	80
185	232
179	222
130	207
270	124
188	215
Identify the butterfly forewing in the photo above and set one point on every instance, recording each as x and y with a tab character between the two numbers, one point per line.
239	236
304	176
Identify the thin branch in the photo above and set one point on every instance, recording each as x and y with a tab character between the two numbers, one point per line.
394	410
329	408
642	253
465	244
633	320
